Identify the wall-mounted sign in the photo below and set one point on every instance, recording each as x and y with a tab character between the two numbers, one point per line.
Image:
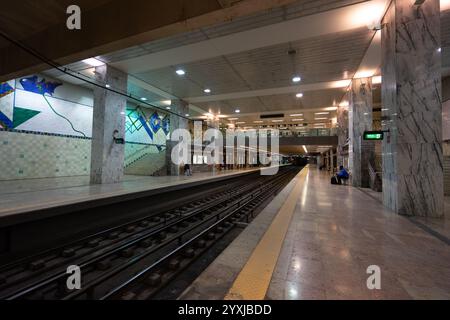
373	135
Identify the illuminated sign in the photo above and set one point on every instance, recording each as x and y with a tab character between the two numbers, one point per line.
373	135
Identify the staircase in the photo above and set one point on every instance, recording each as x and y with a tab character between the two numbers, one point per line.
147	165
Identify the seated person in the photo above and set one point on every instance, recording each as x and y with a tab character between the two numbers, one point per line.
342	175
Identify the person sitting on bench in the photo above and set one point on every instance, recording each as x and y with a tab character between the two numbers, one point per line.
342	175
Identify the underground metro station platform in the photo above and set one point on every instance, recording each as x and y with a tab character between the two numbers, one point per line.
242	152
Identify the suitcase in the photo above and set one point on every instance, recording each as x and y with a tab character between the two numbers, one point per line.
334	180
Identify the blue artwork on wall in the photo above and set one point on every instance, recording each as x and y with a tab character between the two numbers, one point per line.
5	89
33	84
166	125
155	122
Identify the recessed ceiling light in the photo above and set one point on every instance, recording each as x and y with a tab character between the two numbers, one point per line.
237	111
168	108
297	115
186	115
296	79
108	86
93	62
207	91
144	99
439	50
299	95
180	72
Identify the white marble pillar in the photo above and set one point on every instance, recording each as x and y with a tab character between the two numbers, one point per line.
107	156
360	120
178	120
342	129
411	92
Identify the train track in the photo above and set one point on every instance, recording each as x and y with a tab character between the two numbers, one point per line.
136	259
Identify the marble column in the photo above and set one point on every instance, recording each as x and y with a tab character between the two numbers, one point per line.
178	120
411	93
107	156
360	120
342	129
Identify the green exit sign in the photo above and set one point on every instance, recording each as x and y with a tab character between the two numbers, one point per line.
373	135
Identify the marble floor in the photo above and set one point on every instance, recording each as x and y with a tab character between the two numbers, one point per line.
25	195
335	234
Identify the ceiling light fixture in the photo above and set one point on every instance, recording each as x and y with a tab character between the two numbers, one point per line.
180	72
321	113
232	119
258	121
277	120
108	86
297	115
321	119
298	119
304	148
93	62
168	108
299	95
207	91
296	79
144	99
187	115
237	111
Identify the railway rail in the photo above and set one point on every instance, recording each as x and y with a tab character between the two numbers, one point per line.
136	259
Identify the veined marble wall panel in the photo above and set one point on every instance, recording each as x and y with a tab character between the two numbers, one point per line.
411	93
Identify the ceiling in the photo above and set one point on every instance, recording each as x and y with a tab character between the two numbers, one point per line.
248	63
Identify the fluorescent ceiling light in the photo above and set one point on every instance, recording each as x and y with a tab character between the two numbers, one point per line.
321	119
187	115
231	119
298	119
144	99
207	91
240	122
168	108
297	115
296	79
167	102
180	72
331	108
237	111
304	148
108	86
258	121
277	120
445	5
376	79
320	113
344	104
299	95
93	62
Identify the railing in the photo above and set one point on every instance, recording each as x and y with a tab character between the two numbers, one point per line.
298	133
141	153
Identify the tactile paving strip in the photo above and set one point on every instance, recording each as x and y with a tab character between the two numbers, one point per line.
253	281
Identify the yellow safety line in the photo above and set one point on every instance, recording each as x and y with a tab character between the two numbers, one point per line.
253	281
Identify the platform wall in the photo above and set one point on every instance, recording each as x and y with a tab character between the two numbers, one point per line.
46	128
